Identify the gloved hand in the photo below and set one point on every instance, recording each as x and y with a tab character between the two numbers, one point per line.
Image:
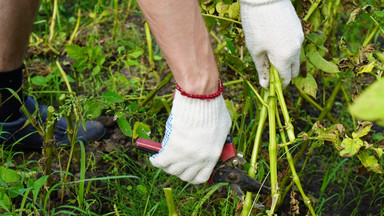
272	32
195	134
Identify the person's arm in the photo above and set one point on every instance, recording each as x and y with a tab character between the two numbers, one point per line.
197	127
180	31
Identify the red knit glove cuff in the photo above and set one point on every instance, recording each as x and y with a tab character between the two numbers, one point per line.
202	97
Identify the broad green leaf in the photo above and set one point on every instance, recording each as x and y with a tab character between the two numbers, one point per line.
222	8
234	11
362	129
141	130
93	109
369	161
75	52
112	97
5	202
231	108
350	147
39	80
307	84
319	62
124	126
369	105
141	189
8	175
37	185
136	53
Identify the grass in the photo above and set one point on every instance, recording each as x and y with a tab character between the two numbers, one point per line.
114	69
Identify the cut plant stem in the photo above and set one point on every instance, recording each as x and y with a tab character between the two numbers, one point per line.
295	177
272	141
255	151
279	91
166	80
170	202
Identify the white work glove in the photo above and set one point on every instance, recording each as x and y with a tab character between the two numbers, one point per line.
272	32
194	138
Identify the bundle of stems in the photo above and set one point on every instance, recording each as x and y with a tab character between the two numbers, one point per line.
270	99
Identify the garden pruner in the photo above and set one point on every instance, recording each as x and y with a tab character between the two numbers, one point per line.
226	170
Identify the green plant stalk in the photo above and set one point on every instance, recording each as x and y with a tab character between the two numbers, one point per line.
170	202
71	135
372	33
311	9
80	197
279	91
272	142
115	22
166	80
73	35
65	77
255	151
48	144
222	18
316	105
295	177
242	131
304	146
53	22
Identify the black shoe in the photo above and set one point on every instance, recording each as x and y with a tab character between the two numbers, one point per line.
27	138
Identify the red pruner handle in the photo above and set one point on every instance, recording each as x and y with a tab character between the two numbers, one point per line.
229	150
148	145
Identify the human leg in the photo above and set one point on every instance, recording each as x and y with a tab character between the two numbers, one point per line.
16	21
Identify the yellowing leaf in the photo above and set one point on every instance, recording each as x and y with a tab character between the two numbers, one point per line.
362	129
234	11
367	68
350	147
307	84
222	8
369	161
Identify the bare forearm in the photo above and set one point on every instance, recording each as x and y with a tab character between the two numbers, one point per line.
182	36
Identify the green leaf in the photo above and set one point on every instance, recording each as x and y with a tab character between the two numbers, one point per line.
124	126
141	189
350	147
37	185
222	8
75	52
136	53
369	105
5	202
231	108
93	109
369	161
112	97
234	11
307	84
8	175
39	80
141	130
319	62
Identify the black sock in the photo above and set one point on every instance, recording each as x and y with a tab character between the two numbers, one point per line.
10	105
